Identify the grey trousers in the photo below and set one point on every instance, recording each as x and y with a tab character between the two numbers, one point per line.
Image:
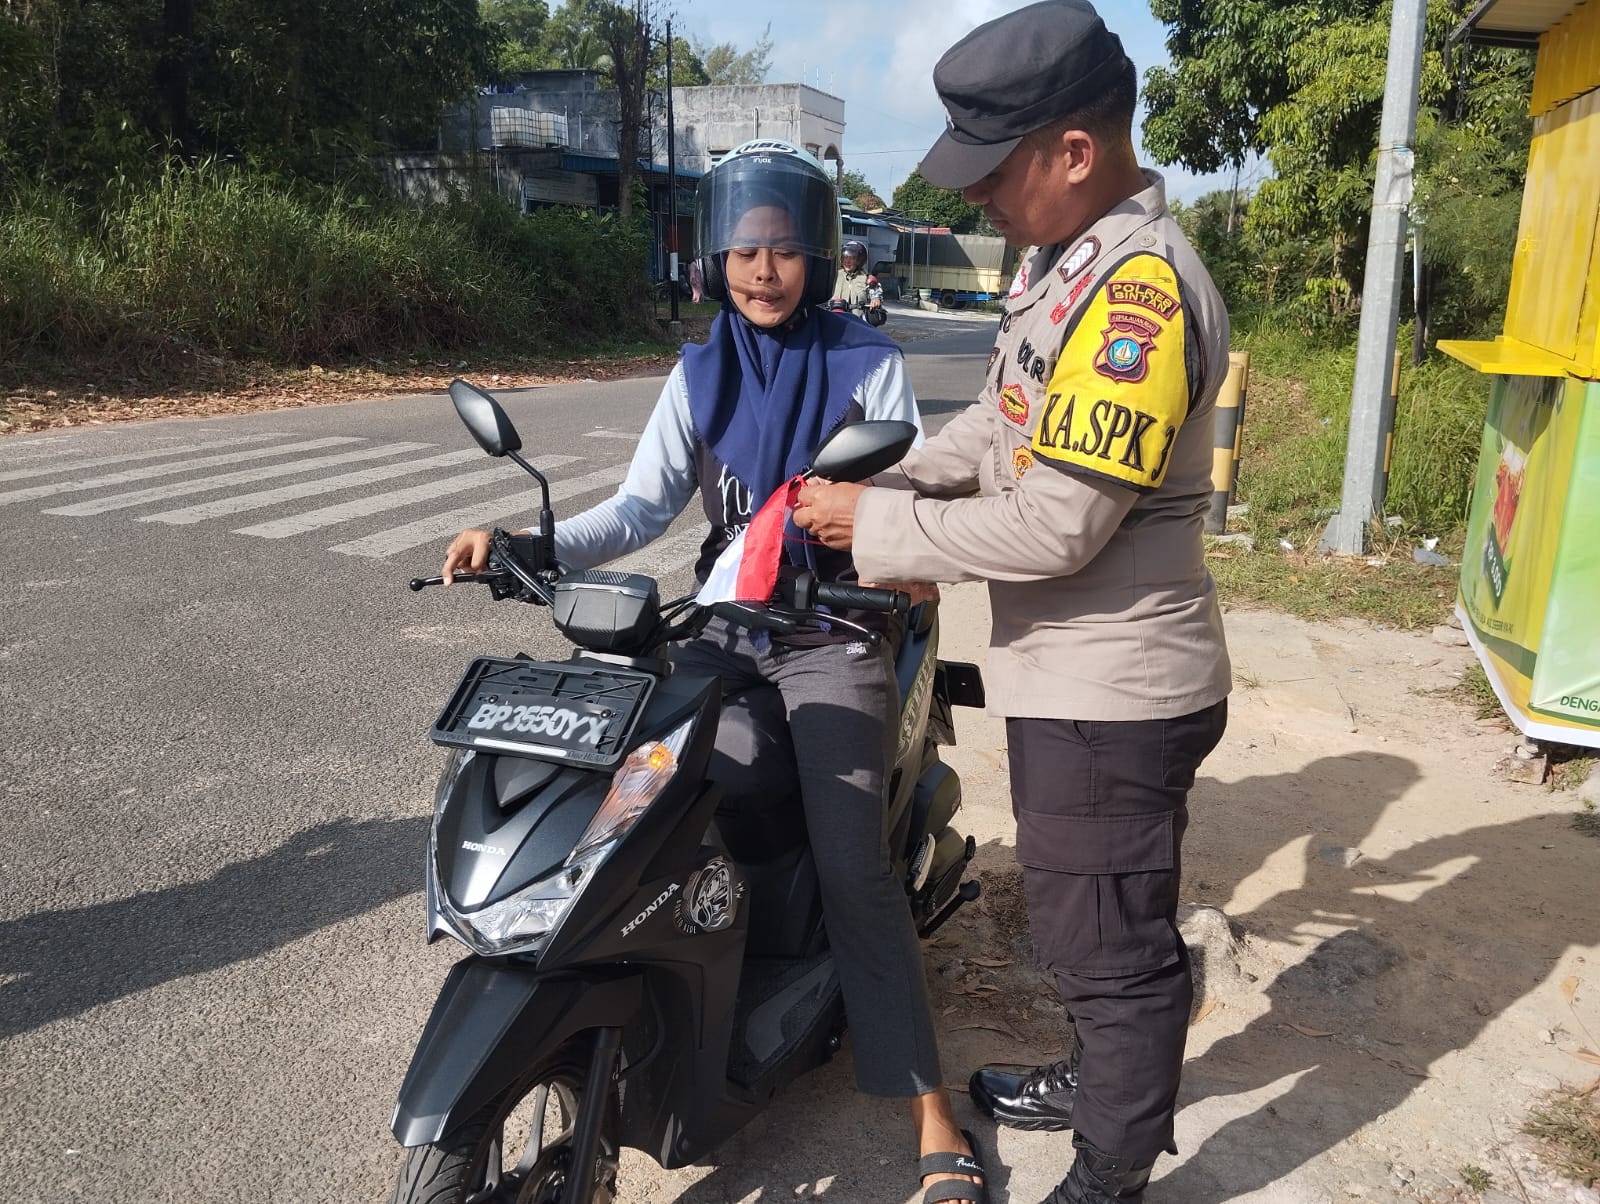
838	699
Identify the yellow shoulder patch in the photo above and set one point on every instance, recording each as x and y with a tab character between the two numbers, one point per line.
1120	390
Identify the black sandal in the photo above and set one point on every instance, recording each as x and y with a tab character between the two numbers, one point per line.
954	1164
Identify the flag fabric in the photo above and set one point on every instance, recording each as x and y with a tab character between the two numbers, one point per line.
747	570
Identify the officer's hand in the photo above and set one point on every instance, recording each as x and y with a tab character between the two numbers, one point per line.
920	591
468	552
827	509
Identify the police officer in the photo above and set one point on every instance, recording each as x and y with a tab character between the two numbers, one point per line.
1076	487
850	285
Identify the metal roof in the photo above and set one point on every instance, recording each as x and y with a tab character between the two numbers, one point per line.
1528	18
606	163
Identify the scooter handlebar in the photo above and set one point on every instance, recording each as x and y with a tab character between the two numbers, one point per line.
862	597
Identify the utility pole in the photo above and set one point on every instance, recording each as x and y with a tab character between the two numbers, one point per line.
672	194
1380	294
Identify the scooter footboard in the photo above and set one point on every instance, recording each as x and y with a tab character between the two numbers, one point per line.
490	1023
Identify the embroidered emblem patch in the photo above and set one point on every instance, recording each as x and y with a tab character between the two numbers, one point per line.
1014	404
1021	461
1060	312
1129	340
1143	294
1019	283
1082	256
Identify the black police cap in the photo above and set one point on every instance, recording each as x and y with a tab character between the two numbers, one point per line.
1014	75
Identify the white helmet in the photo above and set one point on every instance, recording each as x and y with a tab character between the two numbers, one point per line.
767	172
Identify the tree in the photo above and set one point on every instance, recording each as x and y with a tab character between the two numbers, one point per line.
942	206
1302	82
522	27
687	69
628	28
112	89
1229	67
852	184
725	64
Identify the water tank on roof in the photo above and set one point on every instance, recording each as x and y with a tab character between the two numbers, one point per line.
524	127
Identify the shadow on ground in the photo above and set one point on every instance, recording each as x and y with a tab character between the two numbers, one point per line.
62	963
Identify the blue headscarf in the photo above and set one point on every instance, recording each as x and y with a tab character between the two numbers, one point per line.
763	400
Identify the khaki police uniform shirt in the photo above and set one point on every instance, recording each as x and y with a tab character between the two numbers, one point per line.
1076	485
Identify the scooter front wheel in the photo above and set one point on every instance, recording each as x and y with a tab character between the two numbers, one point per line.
518	1149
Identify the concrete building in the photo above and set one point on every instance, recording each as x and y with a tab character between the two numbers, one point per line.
551	139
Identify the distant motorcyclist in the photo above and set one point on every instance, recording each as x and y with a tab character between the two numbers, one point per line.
851	284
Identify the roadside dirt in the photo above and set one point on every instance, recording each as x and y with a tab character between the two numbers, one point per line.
206	385
1411	957
210	386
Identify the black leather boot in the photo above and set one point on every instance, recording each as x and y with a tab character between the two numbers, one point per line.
1096	1177
1036	1100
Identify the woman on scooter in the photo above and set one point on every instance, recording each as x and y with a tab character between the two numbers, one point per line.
740	415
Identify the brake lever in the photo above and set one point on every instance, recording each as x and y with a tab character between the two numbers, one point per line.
873	638
420	583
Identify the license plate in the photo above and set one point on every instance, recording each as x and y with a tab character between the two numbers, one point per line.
561	712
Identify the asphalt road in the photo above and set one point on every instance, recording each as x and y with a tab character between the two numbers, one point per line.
217	779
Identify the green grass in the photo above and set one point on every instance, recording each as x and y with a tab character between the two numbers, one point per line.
1292	474
229	263
1476	1179
1568	1124
1478	694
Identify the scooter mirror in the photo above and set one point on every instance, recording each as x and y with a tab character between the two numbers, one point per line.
857	451
484	418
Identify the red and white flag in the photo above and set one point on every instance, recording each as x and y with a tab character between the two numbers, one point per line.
747	570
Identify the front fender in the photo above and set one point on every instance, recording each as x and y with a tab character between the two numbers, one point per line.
491	1022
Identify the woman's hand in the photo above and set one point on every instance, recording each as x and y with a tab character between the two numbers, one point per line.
827	509
468	552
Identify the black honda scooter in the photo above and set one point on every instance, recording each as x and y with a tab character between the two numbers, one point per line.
648	960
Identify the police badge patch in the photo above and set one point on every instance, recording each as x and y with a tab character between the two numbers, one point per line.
1129	340
1021	461
1014	404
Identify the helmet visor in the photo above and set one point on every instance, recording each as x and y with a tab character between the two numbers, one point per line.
761	199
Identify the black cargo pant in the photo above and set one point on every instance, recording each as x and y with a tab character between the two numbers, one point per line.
840	701
1101	810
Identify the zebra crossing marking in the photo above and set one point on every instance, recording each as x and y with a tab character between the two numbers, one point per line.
524	502
327	516
177	449
290	493
157	493
168	470
666	554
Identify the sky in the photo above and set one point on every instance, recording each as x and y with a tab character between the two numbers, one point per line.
878	56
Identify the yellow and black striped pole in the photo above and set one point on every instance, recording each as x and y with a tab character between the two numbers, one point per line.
1229	432
1386	418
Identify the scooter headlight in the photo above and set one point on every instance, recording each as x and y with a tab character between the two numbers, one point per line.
521	923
